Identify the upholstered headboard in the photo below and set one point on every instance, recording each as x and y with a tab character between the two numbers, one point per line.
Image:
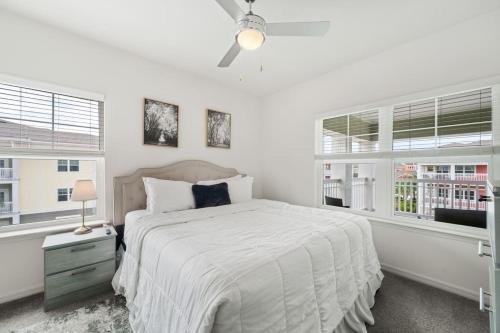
129	193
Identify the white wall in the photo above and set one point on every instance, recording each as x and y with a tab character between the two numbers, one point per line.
38	52
285	164
463	53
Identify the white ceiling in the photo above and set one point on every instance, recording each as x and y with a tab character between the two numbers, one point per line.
194	34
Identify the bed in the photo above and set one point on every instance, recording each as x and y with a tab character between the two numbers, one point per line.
255	266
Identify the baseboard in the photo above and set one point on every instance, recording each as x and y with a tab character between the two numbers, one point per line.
443	285
21	293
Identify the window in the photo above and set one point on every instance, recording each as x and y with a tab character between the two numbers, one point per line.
357	132
43	193
418	193
74	165
62	165
349	185
465	195
465	169
36	119
35	126
443	169
62	194
458	120
442	193
436	160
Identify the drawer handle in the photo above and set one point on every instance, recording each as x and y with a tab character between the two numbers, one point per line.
482	307
83	248
91	269
480	251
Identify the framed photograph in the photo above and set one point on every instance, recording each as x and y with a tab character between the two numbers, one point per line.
161	123
218	129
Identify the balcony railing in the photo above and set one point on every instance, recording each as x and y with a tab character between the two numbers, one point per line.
6	208
436	175
455	176
358	194
471	176
420	197
6	173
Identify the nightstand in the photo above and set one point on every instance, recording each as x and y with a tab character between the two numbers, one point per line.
77	266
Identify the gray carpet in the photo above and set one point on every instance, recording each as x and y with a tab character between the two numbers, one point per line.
402	306
406	306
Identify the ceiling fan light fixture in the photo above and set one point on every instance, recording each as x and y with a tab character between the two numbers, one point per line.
250	39
253	29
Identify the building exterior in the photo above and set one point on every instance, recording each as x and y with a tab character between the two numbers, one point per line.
421	187
34	190
9	191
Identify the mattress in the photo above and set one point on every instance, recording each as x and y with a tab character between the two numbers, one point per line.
259	266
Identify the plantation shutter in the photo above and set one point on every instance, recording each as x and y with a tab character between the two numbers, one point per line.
33	119
457	120
356	132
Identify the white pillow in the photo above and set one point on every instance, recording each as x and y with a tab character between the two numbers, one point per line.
167	195
240	189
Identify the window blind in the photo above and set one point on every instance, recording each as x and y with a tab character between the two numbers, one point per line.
41	120
464	119
457	120
356	132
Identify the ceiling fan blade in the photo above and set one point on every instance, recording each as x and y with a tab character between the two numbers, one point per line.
297	28
230	55
232	8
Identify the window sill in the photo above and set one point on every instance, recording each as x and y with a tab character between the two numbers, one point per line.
436	228
41	231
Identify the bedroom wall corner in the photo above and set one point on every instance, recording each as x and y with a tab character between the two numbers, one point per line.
458	54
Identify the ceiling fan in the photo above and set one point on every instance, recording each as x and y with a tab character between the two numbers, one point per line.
253	29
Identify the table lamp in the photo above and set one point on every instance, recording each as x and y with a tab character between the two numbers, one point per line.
83	191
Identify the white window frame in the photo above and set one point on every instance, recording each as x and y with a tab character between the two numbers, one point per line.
69	165
97	156
436	126
66	195
349	137
386	157
69	192
66	164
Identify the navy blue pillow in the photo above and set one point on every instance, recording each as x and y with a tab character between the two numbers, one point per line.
211	195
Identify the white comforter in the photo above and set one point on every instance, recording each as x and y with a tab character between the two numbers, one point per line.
259	266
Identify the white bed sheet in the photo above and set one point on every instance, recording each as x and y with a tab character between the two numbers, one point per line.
258	266
135	216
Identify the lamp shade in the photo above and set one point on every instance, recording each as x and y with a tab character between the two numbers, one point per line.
83	190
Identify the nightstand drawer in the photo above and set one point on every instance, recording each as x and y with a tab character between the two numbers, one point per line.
70	257
80	278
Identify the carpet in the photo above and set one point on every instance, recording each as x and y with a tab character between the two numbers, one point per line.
401	306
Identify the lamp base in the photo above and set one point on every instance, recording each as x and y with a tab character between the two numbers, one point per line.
82	230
